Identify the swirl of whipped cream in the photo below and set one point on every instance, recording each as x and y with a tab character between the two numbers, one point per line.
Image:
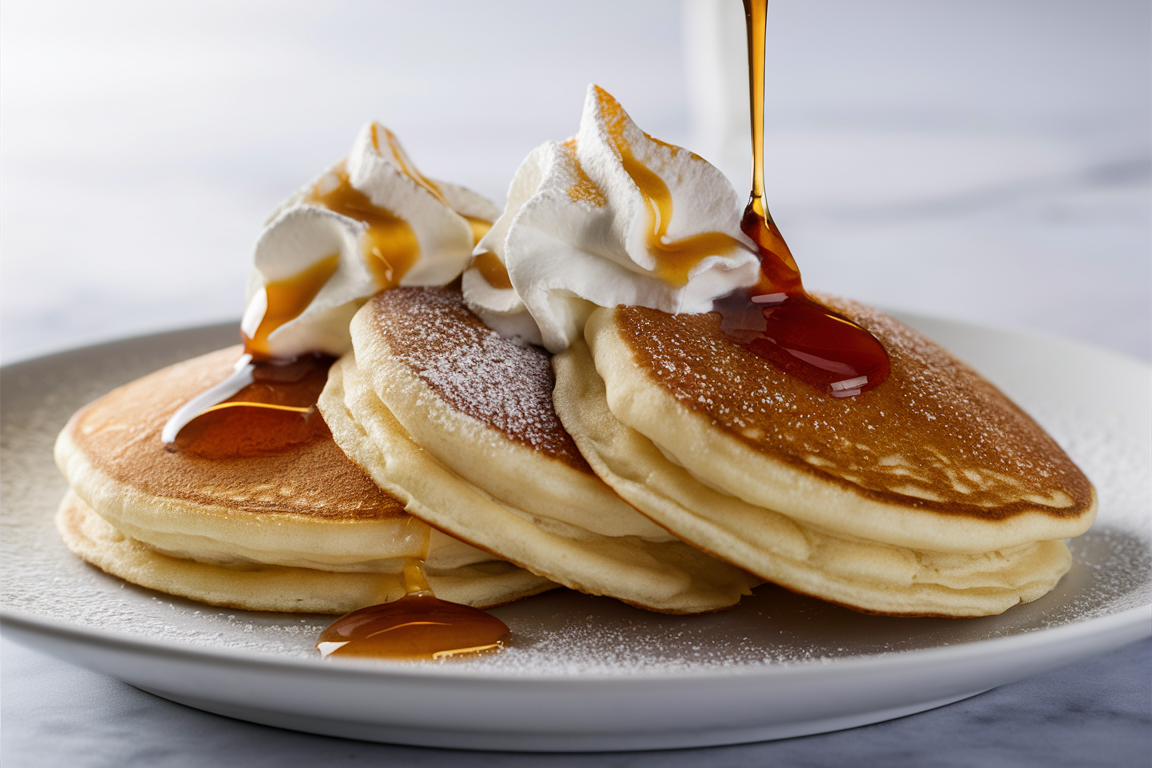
370	222
608	217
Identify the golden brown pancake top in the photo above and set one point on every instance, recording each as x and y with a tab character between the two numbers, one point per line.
120	435
935	436
503	384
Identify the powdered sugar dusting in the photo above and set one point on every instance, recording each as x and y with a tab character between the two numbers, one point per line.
560	633
935	432
499	382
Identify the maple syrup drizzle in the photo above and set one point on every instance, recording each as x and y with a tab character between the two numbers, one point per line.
405	165
776	318
492	270
417	627
286	300
389	243
480	226
675	258
390	249
274	414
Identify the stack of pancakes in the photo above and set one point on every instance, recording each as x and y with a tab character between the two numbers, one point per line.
302	529
458	422
662	464
931	495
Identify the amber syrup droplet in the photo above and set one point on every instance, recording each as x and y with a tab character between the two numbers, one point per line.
776	318
274	414
417	627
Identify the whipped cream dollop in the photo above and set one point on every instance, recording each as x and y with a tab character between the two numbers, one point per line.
611	216
370	222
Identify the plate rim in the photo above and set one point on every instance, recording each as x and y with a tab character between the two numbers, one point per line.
1136	620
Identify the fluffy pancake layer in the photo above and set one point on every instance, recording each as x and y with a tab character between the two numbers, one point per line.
457	421
930	495
226	529
256	587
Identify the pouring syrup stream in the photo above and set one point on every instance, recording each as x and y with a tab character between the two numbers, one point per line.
776	318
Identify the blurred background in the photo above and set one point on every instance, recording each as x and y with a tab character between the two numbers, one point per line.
987	160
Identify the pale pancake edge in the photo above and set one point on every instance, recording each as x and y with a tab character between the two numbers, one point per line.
669	577
481	405
277	588
864	575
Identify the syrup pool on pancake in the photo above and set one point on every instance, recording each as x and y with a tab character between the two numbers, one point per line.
776	318
370	223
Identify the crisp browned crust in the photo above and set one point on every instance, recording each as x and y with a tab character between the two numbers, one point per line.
500	383
119	435
935	437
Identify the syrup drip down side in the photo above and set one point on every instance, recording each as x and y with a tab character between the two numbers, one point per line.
675	259
776	318
388	243
389	249
277	414
367	224
417	627
479	224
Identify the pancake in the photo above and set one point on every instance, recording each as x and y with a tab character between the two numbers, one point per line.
931	495
486	583
458	422
300	529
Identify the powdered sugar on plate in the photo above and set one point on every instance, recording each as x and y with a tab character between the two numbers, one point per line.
563	633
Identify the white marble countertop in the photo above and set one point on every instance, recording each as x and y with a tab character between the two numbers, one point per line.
1094	713
984	161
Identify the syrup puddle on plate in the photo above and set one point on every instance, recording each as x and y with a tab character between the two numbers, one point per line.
417	627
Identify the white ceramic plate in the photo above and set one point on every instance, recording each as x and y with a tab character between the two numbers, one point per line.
589	673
